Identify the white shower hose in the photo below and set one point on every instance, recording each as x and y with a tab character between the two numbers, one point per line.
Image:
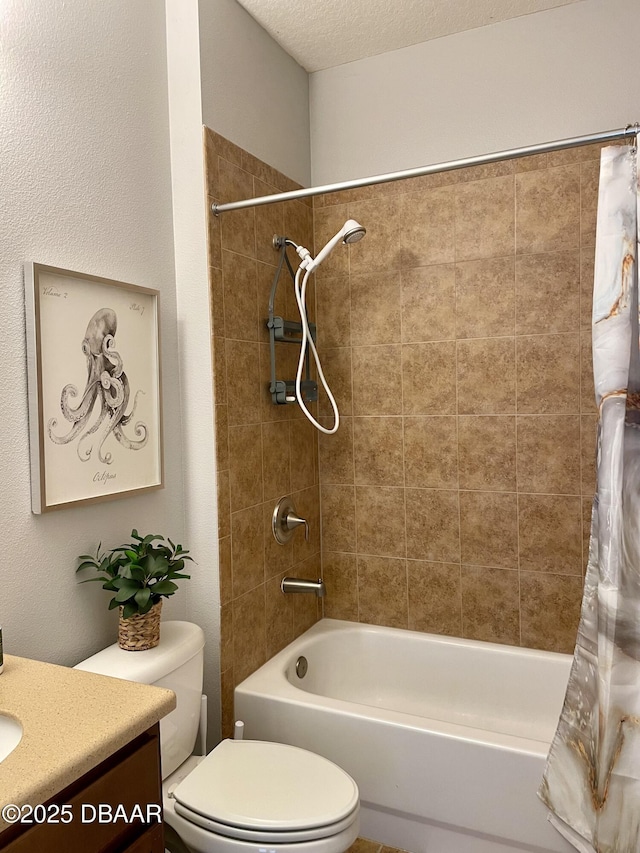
301	294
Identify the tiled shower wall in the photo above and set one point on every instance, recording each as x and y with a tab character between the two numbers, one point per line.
456	495
263	451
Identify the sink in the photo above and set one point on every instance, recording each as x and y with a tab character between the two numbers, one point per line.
10	735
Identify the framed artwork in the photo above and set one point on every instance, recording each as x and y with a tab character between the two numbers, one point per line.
95	403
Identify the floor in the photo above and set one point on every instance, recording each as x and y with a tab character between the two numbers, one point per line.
366	845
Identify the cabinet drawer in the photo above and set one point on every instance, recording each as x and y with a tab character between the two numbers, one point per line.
134	780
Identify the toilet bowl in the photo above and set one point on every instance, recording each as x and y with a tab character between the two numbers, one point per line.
245	795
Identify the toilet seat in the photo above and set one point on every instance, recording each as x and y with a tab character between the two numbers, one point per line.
267	793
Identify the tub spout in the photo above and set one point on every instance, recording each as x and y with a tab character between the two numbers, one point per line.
303	585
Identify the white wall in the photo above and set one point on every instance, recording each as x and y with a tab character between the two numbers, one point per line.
254	93
85	178
555	74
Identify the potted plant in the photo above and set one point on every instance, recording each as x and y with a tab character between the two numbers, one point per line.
140	573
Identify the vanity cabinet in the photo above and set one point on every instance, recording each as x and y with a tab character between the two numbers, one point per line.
128	779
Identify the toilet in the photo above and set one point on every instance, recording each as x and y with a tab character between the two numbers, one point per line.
245	795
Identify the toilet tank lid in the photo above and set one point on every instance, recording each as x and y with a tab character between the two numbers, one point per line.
179	642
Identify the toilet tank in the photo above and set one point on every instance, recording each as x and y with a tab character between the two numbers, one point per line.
176	663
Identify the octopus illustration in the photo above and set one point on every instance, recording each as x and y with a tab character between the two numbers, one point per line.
107	383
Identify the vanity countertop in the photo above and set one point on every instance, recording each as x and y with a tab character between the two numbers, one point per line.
72	720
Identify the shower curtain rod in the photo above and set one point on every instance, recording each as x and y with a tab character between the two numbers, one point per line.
631	130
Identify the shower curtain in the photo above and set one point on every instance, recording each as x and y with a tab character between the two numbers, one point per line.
591	781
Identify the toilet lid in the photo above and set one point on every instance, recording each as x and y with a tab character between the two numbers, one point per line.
258	785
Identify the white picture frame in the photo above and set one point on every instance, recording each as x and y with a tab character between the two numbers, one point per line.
95	399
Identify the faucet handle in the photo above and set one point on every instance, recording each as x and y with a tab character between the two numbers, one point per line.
294	520
285	519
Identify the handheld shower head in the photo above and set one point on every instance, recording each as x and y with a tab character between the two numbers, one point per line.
353	233
350	232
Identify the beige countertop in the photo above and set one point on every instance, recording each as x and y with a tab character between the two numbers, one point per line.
72	720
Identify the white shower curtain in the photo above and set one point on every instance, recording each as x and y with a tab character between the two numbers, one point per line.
592	778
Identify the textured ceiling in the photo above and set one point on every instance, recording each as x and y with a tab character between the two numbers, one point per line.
322	33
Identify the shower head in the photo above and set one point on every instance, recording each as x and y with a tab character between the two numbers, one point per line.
350	232
353	233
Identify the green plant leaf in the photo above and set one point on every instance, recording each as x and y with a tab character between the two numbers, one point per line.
113	604
129	609
126	592
142	597
164	588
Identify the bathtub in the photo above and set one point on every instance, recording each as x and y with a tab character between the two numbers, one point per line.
446	738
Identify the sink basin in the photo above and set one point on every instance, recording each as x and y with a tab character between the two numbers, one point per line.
10	735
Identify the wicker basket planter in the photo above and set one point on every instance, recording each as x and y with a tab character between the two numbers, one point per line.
140	632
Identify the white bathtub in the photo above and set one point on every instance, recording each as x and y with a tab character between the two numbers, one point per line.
446	738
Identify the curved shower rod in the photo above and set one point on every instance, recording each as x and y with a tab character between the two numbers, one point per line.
628	132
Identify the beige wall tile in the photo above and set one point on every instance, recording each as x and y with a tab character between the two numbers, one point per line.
589	179
238	226
382	591
276	460
375	506
340	575
298	222
550	609
489	529
307	609
432	519
548	455
336	453
486	373
226	576
224	504
226	637
245	466
247	549
485	298
548	210
216	290
547	293
430	452
428	378
548	374
375	308
490	605
427	234
487	452
378	451
435	600
249	633
334	312
222	438
377	380
269	221
382	248
484	218
218	345
243	381
550	534
304	452
428	303
338	518
336	366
